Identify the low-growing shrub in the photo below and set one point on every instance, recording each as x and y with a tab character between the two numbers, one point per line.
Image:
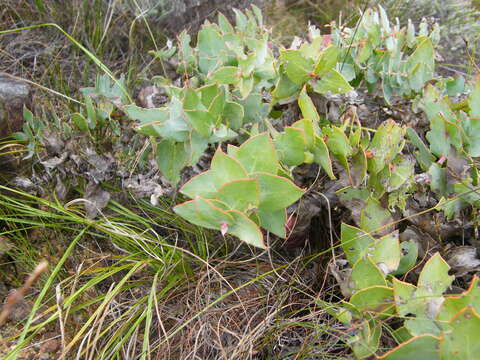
235	83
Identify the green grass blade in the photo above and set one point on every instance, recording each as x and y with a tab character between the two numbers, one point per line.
21	341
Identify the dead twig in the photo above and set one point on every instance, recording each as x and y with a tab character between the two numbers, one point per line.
17	296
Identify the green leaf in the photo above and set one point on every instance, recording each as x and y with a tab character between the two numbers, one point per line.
438	137
419	347
205	213
401	173
423	324
374	299
104	110
388	90
438	182
297	67
401	334
245	229
408	260
80	122
423	156
284	88
224	24
374	218
241	195
322	157
434	278
461	342
171	158
358	169
187	57
231	149
258	15
273	221
347	70
226	75
276	192
387	142
306	126
471	128
204	95
444	129
91	113
355	242
233	114
355	135
212	51
222	134
327	61
202	121
349	193
225	168
246	64
455	86
386	253
307	107
453	304
365	274
240	20
420	65
366	340
291	146
252	26
332	82
410	37
465	193
235	44
338	144
254	108
398	198
474	100
312	48
166	122
164	53
176	126
405	301
216	108
365	52
27	115
246	86
202	185
20	136
425	302
247	154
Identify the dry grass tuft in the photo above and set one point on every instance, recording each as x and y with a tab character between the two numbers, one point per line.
242	311
110	30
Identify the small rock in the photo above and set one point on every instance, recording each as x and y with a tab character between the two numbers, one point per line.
190	14
14	94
